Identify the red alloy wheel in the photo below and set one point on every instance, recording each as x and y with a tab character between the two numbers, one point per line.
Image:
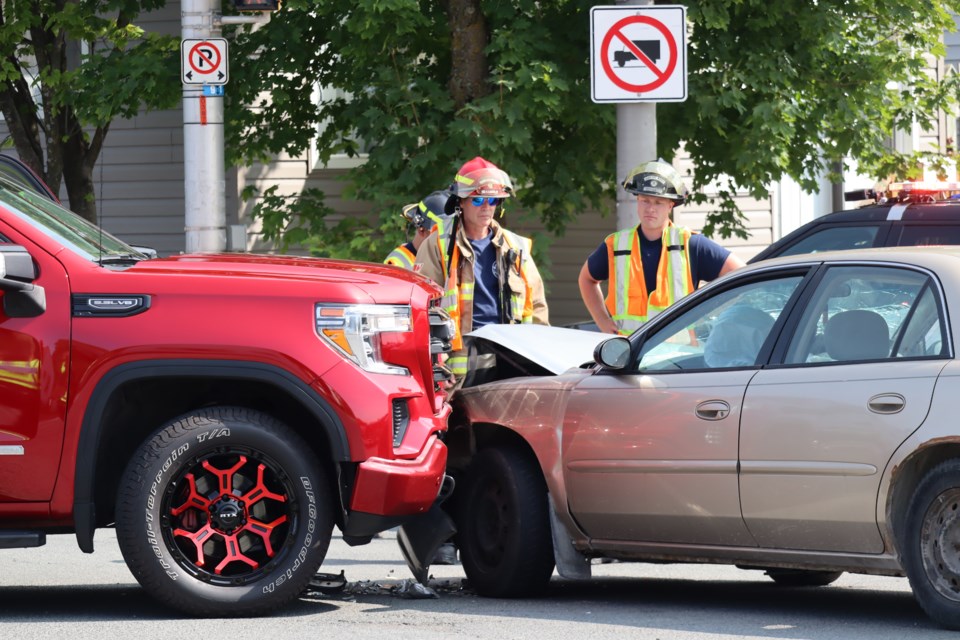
229	514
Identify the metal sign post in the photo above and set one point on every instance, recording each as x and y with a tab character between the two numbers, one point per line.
204	70
204	183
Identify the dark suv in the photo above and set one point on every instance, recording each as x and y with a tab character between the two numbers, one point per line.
917	214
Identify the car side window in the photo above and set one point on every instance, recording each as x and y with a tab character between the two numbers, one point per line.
864	313
726	330
834	239
926	234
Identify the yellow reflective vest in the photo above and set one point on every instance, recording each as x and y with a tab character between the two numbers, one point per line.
402	256
629	303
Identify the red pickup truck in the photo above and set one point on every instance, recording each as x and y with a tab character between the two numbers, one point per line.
223	412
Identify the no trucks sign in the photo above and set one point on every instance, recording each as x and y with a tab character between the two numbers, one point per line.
638	53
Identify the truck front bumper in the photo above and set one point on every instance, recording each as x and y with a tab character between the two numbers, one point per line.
400	487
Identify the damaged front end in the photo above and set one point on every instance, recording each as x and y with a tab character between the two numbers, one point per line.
494	353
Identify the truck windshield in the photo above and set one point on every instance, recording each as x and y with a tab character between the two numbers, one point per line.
75	233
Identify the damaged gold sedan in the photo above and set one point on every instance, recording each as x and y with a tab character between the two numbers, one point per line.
795	417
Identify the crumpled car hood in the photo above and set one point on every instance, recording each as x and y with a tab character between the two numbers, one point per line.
554	349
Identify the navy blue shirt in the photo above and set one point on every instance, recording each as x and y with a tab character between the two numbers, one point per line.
486	287
706	260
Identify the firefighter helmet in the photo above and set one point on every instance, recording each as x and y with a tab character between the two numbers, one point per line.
479	177
428	211
656	178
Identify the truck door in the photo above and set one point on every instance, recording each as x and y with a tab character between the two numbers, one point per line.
34	375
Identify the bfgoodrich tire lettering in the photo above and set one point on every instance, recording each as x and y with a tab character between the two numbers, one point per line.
224	512
504	523
931	541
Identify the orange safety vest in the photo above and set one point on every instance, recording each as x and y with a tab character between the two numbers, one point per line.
628	302
458	294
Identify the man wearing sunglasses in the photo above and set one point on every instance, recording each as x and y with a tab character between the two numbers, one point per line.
487	272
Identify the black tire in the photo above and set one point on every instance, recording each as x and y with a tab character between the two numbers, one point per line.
503	522
803	577
930	543
249	489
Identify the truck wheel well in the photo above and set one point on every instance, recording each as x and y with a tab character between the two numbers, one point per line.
126	412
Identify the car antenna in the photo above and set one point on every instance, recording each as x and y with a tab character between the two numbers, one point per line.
100	219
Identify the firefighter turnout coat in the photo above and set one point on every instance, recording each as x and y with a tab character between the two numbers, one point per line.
451	265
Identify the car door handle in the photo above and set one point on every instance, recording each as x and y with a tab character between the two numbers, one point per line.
887	403
713	410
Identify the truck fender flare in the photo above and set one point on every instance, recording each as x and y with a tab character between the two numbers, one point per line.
87	446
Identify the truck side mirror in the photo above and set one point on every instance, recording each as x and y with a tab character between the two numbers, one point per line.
22	298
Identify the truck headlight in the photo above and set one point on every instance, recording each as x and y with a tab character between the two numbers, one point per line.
354	330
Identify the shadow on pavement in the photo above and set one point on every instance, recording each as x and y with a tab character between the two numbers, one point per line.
107	603
738	607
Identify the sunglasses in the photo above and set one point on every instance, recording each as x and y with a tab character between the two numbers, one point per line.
477	201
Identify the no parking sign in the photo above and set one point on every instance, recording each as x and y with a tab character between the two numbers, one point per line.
638	53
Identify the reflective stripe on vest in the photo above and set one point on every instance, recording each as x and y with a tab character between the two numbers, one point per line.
674	279
401	257
457	365
455	294
523	313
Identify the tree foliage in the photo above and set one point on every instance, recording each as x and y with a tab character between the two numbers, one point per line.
784	88
414	99
799	87
68	68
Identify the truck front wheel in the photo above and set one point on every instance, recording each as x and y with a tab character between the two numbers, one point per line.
224	512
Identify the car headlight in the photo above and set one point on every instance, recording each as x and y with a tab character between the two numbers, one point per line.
354	330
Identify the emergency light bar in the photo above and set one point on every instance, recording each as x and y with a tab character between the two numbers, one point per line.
928	185
925	190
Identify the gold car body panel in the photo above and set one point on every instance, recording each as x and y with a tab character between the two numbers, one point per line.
653	458
814	443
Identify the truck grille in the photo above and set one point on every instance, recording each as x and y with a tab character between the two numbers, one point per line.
442	332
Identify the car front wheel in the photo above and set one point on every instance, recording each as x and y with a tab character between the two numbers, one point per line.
504	525
224	512
930	546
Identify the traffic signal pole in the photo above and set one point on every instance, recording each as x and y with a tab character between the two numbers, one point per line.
636	143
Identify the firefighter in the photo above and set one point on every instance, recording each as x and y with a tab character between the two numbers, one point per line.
423	216
487	272
653	265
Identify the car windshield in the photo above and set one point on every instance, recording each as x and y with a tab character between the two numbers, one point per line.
75	233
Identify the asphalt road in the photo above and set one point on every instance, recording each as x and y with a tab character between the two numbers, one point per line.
58	592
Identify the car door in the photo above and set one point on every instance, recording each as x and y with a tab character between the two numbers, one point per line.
858	373
34	374
650	453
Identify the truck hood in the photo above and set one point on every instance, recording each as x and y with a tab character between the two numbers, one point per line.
370	277
500	351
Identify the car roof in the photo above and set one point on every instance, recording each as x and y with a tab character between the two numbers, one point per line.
929	256
18	172
886	212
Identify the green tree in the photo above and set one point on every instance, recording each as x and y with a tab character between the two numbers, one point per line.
796	88
68	68
785	88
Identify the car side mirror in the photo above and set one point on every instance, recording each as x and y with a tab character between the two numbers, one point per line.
613	353
22	298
